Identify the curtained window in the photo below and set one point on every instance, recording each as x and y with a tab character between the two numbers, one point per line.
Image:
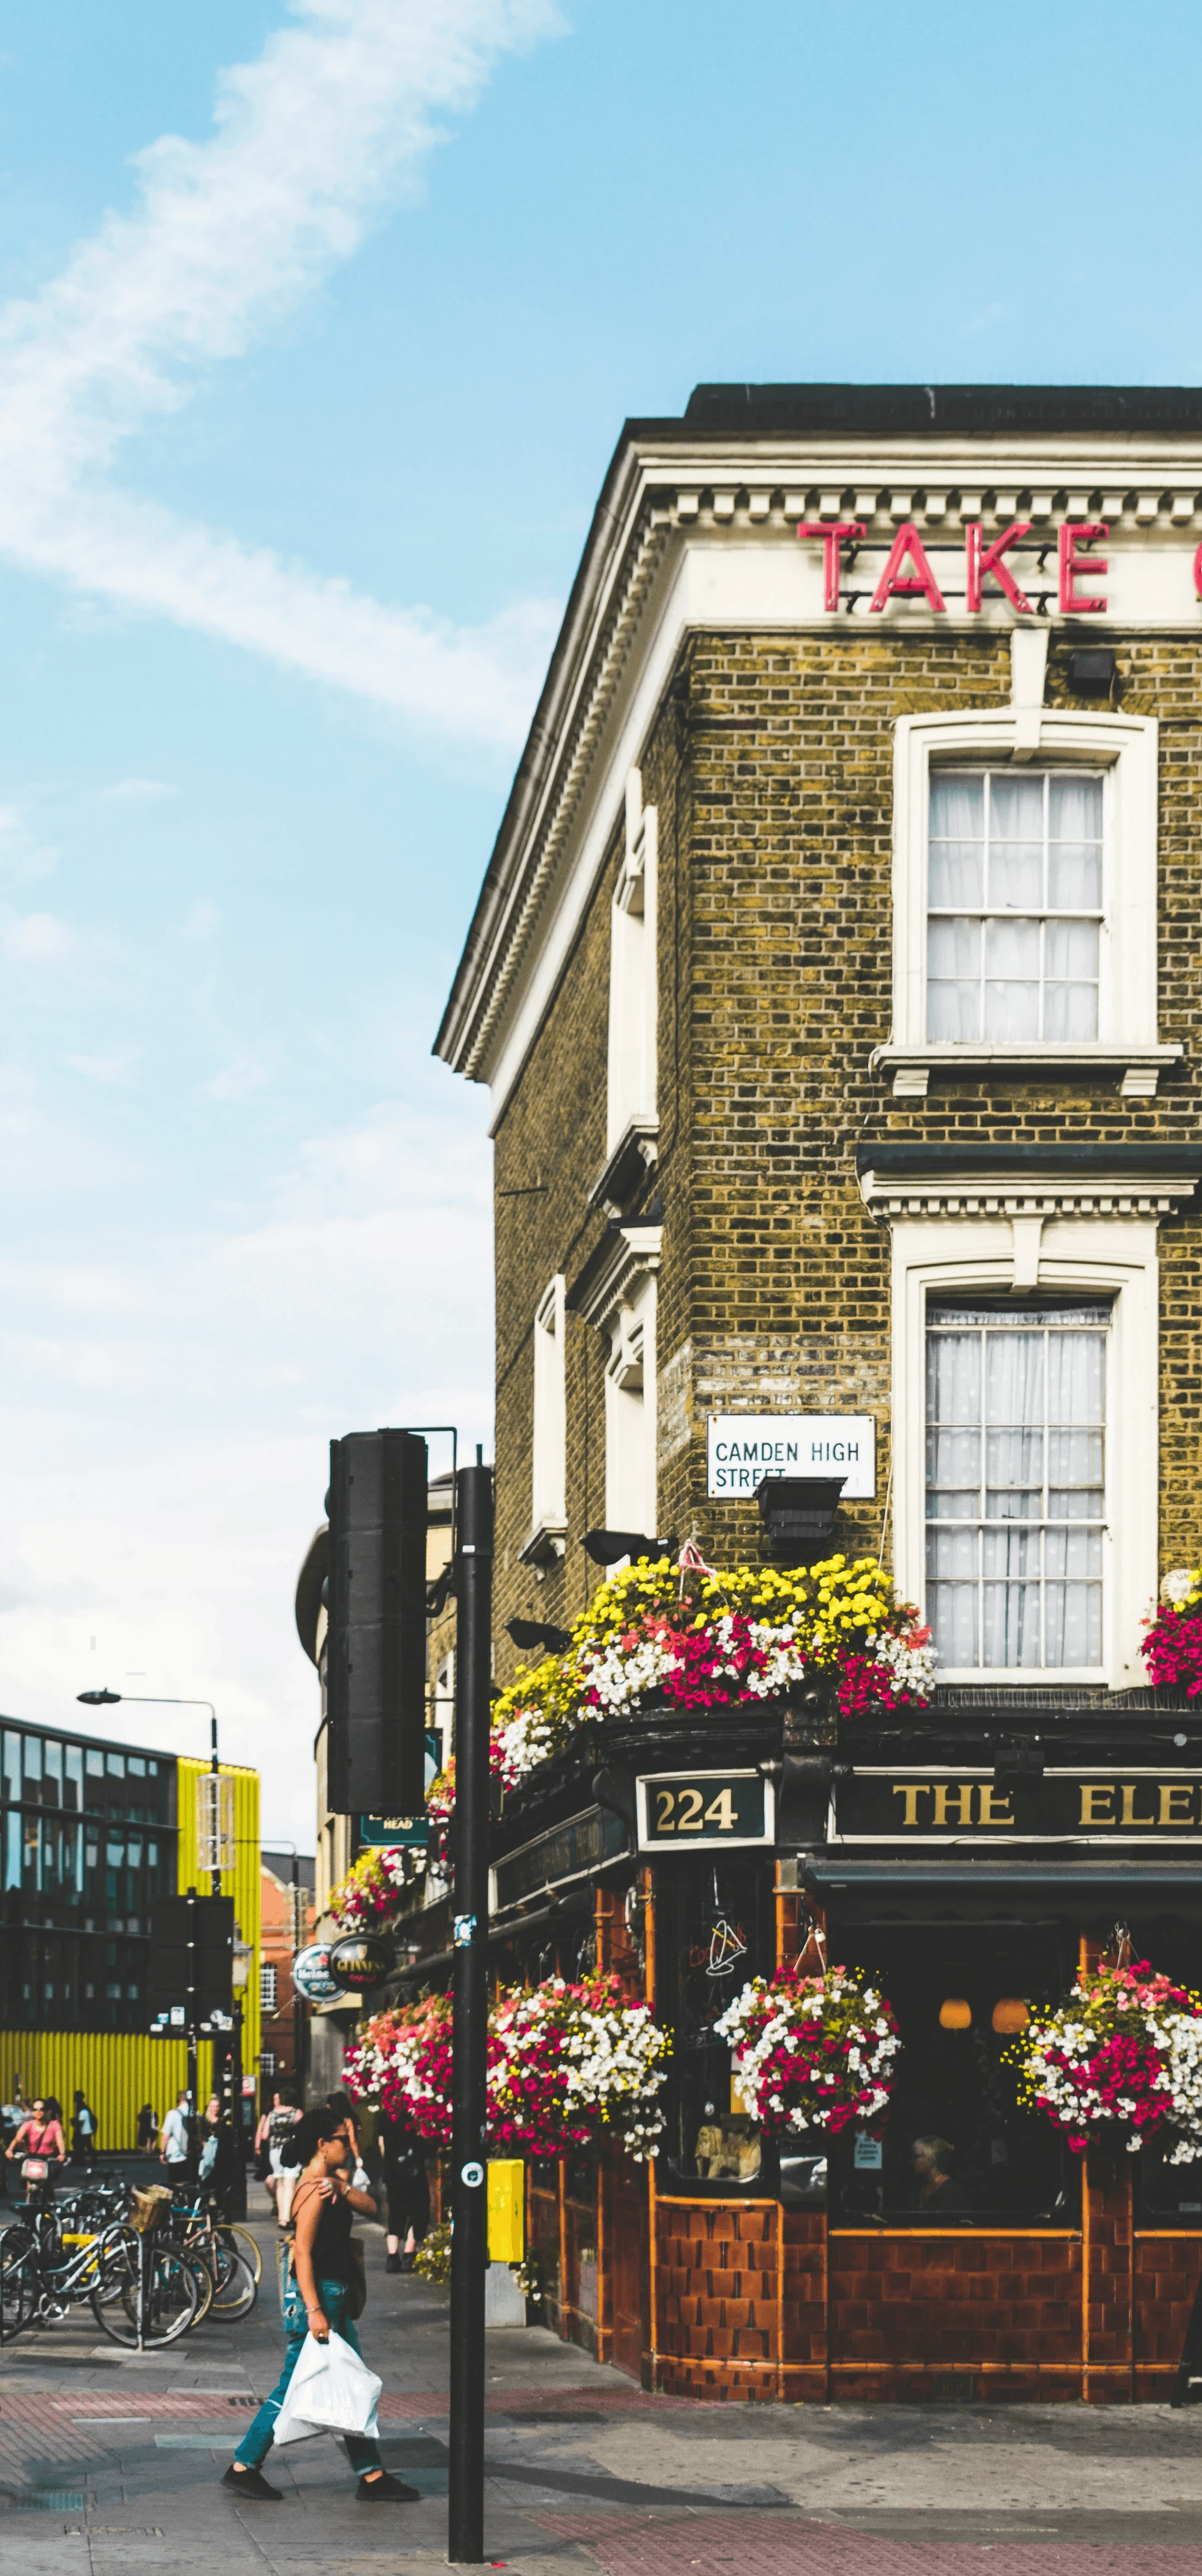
1014	904
1016	1486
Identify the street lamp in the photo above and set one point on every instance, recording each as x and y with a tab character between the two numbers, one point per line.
153	1699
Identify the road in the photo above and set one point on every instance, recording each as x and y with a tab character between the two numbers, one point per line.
111	2463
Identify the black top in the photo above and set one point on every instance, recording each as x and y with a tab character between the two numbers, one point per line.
403	2150
331	2248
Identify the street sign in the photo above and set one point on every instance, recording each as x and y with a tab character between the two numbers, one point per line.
682	1810
743	1448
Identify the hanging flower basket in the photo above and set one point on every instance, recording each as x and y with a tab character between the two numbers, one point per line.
402	2060
812	2052
371	1892
576	2063
1119	2063
567	2065
1172	1644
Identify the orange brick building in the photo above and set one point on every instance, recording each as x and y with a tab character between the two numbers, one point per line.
836	978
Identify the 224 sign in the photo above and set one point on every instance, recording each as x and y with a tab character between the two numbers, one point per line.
685	1810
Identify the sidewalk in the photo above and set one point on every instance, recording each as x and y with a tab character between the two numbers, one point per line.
110	2463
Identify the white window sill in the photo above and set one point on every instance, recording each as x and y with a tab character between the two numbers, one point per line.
546	1543
1025	1677
911	1067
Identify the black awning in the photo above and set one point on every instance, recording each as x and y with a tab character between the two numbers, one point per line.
1079	1891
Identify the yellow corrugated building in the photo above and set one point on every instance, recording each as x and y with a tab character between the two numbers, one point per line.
120	2070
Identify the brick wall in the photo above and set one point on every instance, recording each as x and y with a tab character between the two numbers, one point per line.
771	765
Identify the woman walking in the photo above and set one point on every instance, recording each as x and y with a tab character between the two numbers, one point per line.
83	2132
319	2296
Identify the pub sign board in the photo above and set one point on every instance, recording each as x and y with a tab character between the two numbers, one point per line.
1127	1806
706	1810
743	1448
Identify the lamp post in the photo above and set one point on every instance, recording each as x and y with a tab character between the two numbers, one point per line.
240	1968
154	1699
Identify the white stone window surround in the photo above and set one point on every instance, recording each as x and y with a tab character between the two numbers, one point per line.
621	1302
1087	1256
632	1087
549	1430
1124	749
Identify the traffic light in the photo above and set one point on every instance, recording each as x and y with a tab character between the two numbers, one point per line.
376	1647
192	1963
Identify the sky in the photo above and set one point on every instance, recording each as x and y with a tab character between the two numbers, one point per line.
318	325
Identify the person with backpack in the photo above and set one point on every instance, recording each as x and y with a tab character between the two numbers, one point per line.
324	2292
83	2132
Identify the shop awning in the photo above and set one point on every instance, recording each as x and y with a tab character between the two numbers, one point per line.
914	1890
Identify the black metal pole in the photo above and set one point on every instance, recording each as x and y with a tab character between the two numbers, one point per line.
469	2196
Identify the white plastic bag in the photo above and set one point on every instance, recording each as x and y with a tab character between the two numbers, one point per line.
331	2391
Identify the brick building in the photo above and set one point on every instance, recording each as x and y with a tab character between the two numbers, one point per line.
289	1922
836	979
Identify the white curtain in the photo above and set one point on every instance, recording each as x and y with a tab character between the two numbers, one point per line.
1013	851
1015	1493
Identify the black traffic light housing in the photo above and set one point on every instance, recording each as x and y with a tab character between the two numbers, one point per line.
376	1646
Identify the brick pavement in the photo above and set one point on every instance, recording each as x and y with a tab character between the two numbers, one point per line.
109	2464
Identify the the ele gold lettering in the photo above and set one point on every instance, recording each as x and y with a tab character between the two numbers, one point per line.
1091	1812
1129	1816
911	1791
962	1793
994	1810
1172	1812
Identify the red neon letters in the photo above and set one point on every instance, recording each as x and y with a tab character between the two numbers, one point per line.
834	533
1072	604
981	561
893	583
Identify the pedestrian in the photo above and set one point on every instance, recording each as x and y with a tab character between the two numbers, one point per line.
83	2132
408	2187
40	2136
148	2128
322	2293
344	2109
175	2144
282	2122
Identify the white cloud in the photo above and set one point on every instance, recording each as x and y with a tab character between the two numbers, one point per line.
334	120
136	791
166	1425
118	1068
39	937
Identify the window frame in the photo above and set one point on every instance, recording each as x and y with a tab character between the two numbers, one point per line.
1086	1256
947	1315
549	1427
1125	750
1041	914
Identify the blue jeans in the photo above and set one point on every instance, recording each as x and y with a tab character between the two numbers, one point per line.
361	2451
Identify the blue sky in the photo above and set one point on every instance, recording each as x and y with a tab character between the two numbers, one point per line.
317	327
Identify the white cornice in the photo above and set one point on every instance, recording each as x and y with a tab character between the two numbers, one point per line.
694	536
1019	1193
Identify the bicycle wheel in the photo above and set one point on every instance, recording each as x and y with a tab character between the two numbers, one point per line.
171	2294
206	2286
18	2281
237	2295
246	2246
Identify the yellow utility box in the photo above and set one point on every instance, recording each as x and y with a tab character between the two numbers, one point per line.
507	2211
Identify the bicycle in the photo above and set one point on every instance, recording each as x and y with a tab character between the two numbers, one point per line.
198	2233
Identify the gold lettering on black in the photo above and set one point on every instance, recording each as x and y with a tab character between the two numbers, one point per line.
911	1791
994	1809
1128	1816
1171	1810
962	1793
1091	1812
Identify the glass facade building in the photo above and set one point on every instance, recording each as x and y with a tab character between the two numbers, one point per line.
88	1836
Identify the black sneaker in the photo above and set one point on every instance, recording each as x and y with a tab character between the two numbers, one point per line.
405	2262
387	2490
251	2482
393	2263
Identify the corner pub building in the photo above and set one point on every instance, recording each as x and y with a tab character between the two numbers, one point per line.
837	980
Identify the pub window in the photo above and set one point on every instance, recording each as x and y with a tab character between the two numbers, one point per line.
1015	905
1016	1486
